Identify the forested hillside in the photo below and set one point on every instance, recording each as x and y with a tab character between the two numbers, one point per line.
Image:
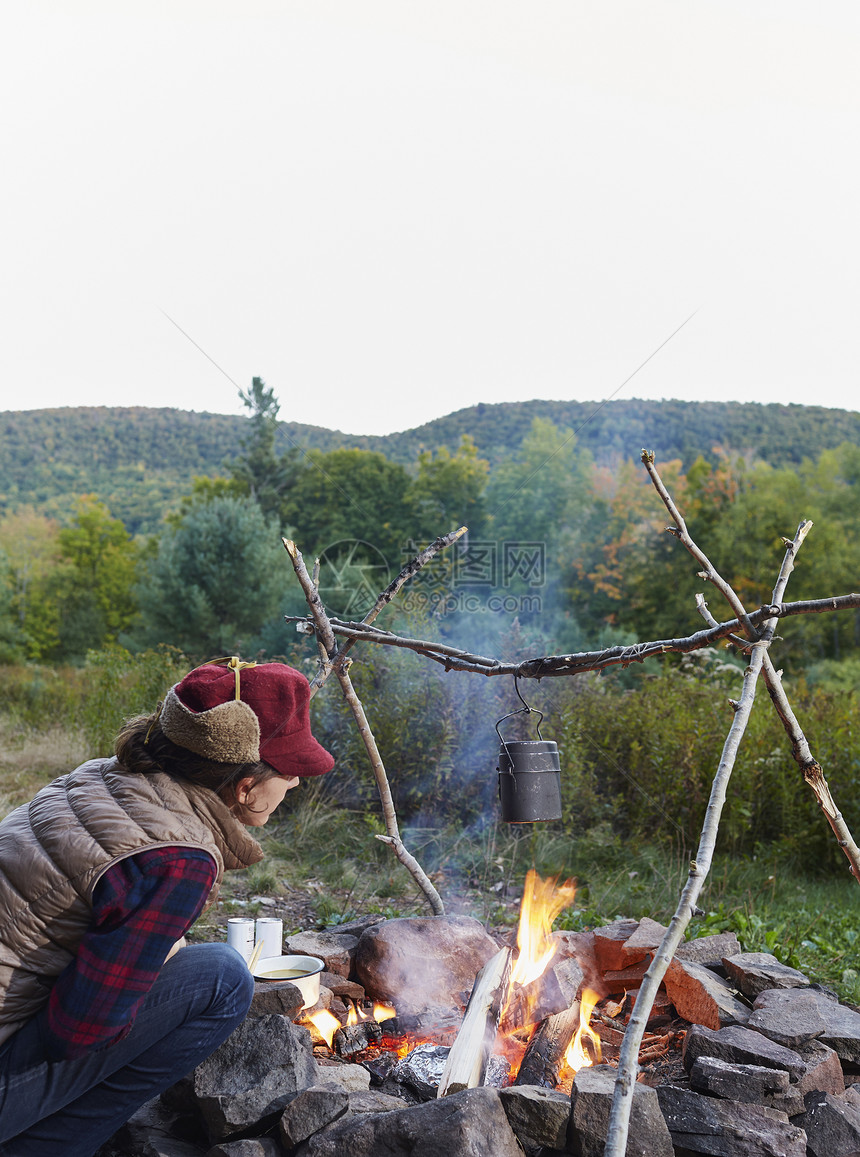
148	527
139	461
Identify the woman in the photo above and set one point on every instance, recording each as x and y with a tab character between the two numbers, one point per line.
102	1005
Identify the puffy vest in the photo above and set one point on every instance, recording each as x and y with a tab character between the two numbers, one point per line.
54	849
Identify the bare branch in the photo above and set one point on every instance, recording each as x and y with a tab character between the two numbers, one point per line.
341	665
809	766
628	1060
709	573
547	666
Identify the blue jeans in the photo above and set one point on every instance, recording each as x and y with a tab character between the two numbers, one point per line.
69	1108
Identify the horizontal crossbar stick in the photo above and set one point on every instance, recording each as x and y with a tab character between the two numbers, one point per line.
454	659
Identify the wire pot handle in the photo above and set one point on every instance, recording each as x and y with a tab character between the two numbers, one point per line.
524	710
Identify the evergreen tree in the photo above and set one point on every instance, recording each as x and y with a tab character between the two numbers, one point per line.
259	471
215	581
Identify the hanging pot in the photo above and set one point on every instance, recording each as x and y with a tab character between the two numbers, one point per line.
529	775
529	781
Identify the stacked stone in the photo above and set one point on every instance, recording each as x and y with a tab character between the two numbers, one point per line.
769	1062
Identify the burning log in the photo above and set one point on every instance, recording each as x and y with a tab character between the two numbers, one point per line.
532	1003
470	1053
355	1038
544	1056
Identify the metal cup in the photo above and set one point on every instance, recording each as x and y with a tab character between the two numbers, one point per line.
240	935
271	931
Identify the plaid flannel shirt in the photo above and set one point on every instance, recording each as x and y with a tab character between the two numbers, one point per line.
141	907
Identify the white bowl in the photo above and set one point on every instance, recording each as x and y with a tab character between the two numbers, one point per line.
302	971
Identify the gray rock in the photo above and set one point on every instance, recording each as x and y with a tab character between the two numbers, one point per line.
250	1147
423	962
170	1147
374	1101
335	949
740	1046
823	1069
357	926
252	1076
754	1084
788	1016
841	1027
352	1078
753	972
709	950
590	1105
467	1124
701	1124
702	997
538	1116
276	996
309	1111
154	1128
342	987
832	1126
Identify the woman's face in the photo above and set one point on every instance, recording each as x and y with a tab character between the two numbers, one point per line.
257	801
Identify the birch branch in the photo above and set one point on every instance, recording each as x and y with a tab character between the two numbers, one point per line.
709	574
809	766
328	646
628	1060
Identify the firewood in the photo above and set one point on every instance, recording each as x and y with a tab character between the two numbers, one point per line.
355	1038
470	1052
533	1003
544	1056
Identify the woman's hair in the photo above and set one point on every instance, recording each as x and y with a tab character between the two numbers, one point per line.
142	747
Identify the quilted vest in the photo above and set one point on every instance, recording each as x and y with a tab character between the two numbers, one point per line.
54	849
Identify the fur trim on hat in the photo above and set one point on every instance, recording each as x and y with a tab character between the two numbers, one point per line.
228	733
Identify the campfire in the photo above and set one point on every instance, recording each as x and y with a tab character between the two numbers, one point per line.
537	1013
476	1042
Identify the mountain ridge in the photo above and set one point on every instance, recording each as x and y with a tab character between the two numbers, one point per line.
139	459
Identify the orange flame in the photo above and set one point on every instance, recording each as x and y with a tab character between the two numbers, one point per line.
382	1011
326	1024
542	901
577	1056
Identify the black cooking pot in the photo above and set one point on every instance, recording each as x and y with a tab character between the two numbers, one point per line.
529	781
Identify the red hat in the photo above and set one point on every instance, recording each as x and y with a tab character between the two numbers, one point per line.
242	712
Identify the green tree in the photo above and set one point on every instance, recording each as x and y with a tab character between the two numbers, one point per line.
30	542
541	493
215	580
11	635
94	582
259	471
449	490
353	494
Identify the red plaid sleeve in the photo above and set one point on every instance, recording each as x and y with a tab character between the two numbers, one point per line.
141	907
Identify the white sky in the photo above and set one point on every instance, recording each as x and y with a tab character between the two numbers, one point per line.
392	209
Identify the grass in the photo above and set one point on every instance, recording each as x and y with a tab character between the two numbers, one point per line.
29	759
